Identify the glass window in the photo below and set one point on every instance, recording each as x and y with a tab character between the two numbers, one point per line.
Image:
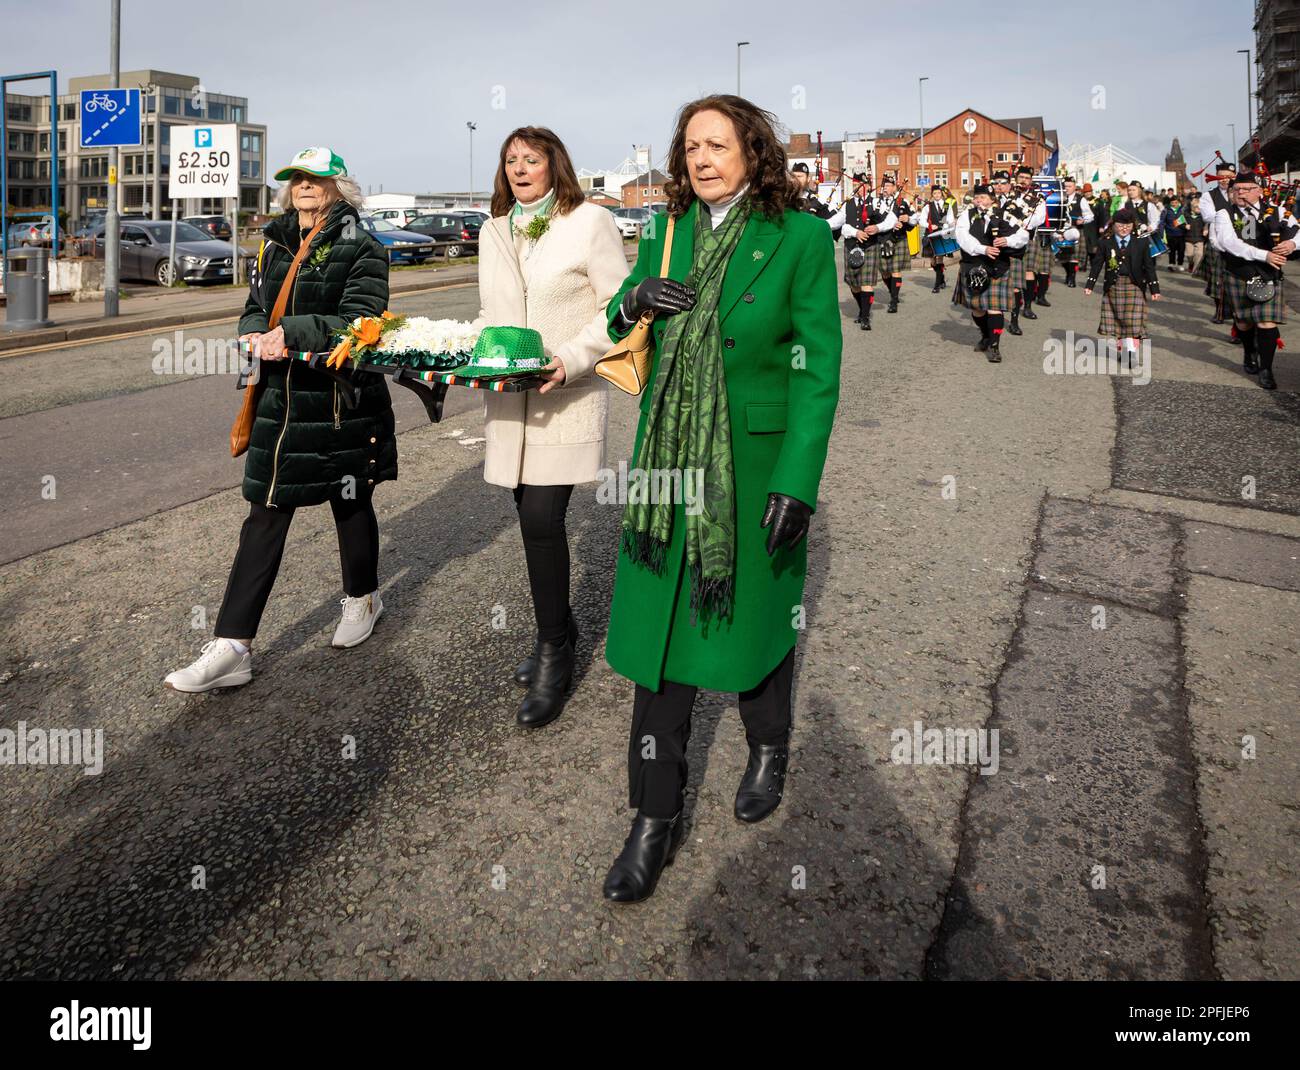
257	142
193	108
171	106
243	169
243	142
216	110
45	143
150	102
257	168
236	114
68	111
892	160
63	141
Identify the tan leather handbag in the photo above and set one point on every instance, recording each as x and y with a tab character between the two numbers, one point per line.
241	431
627	364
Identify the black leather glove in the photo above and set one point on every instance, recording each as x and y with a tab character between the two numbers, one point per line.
788	518
656	293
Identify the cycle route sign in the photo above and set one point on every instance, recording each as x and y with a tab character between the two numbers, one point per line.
110	117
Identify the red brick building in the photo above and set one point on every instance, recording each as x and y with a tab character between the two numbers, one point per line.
958	160
803	147
645	190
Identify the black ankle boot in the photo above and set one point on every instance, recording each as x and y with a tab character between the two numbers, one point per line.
1014	326
994	354
651	845
1266	379
764	781
866	319
551	679
524	674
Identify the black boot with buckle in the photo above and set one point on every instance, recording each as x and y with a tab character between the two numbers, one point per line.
650	847
763	784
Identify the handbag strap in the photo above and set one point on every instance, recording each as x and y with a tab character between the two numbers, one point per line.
668	247
286	287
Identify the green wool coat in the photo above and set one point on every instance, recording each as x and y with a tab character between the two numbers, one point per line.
305	442
780	322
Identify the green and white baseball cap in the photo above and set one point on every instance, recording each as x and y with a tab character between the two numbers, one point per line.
318	160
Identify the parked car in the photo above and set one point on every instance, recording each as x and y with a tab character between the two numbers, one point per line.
402	245
399	217
145	245
215	226
457	229
631	220
33	232
471	213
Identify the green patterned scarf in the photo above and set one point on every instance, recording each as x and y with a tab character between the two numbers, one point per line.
688	431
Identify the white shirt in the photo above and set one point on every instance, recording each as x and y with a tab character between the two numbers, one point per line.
940	213
837	220
1225	235
1085	210
1018	240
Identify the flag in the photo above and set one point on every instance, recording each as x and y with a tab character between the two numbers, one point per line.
1096	176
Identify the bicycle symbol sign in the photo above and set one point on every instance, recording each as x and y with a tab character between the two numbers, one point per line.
110	117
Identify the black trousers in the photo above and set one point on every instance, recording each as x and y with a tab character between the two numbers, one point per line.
661	728
261	546
1177	248
546	550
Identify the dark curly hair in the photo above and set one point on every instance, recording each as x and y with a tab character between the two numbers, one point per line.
770	186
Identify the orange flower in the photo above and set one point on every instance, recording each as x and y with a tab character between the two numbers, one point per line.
387	315
367	331
338	357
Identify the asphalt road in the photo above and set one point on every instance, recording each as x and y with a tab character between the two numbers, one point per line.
972	520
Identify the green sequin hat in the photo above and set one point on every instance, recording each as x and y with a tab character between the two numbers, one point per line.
504	351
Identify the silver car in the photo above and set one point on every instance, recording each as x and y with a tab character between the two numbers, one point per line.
146	245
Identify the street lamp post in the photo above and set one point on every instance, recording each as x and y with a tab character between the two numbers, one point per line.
1249	121
1232	129
112	237
739	45
920	91
469	199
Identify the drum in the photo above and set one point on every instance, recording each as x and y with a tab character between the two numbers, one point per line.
941	246
914	241
1158	246
1057	246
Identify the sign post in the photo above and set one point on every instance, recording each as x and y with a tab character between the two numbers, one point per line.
969	126
205	163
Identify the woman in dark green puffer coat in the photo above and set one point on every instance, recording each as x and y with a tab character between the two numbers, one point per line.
306	446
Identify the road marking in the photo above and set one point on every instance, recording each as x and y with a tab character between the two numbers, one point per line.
69	344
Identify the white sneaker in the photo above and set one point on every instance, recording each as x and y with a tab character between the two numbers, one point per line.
220	665
359	616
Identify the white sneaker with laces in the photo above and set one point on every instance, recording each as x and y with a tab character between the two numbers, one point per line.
220	665
359	616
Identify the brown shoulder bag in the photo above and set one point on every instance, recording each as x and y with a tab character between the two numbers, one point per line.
627	364
242	429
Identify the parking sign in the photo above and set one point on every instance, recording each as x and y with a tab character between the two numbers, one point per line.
204	162
110	117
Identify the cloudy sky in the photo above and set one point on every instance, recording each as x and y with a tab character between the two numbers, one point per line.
390	84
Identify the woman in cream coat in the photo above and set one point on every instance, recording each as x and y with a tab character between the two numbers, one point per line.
549	261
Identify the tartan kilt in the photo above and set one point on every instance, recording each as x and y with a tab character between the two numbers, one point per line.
869	273
1017	272
900	261
1069	254
1123	311
1217	269
1243	308
1038	258
997	296
1205	269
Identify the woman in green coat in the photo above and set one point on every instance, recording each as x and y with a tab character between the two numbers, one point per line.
307	447
729	452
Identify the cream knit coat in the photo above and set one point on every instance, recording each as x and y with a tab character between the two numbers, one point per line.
560	288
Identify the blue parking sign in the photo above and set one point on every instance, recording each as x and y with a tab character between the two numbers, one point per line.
110	117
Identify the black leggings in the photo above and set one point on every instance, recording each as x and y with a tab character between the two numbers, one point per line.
261	545
661	728
546	550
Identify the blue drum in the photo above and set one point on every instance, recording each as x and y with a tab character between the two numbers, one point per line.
941	246
1158	246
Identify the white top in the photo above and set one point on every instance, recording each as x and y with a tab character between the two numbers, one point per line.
1018	240
878	203
718	212
1225	237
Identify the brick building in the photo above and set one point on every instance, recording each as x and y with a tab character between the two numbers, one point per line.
644	190
802	148
958	160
